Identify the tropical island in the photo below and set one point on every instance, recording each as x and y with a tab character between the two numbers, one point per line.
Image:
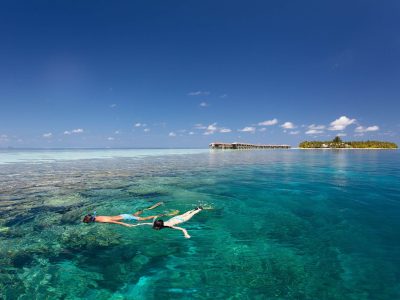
338	143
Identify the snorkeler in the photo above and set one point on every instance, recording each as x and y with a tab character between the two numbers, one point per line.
127	217
160	224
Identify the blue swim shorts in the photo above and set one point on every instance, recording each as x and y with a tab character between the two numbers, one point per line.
129	217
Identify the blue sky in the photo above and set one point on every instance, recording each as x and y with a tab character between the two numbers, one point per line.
187	73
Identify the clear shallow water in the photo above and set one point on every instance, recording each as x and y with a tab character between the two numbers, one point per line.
39	156
286	224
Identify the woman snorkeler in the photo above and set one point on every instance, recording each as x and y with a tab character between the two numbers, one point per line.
160	224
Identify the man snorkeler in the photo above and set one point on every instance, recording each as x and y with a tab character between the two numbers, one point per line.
91	218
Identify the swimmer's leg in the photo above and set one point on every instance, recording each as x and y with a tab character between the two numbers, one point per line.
148	218
136	214
195	211
173	213
189	214
155	205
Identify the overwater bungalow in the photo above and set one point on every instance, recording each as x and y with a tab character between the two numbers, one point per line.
241	146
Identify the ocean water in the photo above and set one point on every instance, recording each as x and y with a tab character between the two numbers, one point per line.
282	224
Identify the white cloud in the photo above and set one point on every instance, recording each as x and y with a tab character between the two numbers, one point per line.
199	126
203	104
288	125
268	122
146	129
294	132
314	131
198	93
316	127
113	105
262	129
341	123
211	129
248	129
116	132
172	134
47	135
69	132
4	138
223	96
191	133
137	125
366	129
110	138
341	134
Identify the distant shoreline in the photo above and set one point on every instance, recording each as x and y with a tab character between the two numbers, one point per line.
337	143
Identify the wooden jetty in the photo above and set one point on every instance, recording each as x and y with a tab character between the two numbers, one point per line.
240	146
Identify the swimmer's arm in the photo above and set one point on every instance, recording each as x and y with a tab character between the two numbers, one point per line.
120	223
181	229
142	224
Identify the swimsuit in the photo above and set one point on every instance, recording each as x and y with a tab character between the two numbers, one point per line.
177	218
129	217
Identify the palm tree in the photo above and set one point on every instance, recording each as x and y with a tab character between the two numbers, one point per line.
337	140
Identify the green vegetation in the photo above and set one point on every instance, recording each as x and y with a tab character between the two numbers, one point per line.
338	143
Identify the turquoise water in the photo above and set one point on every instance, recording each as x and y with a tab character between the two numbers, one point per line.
285	224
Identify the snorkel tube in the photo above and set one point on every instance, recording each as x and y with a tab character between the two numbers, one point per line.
93	217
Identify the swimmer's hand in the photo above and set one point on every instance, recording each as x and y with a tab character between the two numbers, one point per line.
185	233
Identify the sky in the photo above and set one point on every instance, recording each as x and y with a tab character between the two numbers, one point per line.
167	74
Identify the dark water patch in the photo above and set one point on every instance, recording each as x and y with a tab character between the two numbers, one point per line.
72	217
146	195
35	211
19	219
22	259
